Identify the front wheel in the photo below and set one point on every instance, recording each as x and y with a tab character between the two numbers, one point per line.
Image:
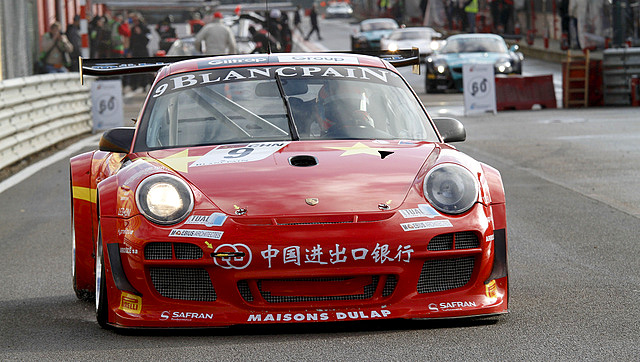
101	284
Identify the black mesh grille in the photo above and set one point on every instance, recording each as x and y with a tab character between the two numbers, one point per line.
389	286
461	240
183	283
441	242
245	292
467	240
186	251
368	292
157	251
445	274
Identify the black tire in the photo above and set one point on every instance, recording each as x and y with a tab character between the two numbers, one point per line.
102	304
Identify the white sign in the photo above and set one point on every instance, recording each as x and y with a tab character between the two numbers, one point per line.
479	88
239	153
107	108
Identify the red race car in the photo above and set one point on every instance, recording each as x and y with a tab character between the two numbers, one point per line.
282	188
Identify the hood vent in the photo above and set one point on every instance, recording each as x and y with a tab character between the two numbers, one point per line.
303	161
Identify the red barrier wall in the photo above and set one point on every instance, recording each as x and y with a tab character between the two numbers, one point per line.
515	92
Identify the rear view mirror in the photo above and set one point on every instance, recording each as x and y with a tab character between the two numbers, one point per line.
450	129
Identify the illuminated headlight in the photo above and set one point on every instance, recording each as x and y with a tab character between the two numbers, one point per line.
164	199
434	45
503	66
441	68
451	188
393	47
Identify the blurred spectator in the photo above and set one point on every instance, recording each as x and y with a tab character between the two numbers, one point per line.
494	10
264	41
217	36
471	10
313	16
506	15
55	49
285	33
120	34
138	48
297	21
196	23
73	34
100	38
167	33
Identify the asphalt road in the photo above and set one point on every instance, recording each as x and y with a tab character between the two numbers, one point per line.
573	196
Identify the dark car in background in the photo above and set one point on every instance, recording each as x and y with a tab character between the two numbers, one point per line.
370	31
444	67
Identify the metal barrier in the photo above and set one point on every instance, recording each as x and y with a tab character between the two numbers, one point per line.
619	65
39	111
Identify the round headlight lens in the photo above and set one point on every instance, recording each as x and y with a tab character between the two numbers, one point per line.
451	188
164	199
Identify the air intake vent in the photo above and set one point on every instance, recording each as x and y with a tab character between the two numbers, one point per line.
183	283
444	274
303	161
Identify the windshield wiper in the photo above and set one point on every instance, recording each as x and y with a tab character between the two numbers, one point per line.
292	125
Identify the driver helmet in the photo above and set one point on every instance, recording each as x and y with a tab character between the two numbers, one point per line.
341	104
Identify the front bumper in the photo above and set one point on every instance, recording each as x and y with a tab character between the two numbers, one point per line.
283	271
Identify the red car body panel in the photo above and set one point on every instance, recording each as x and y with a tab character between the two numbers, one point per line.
347	239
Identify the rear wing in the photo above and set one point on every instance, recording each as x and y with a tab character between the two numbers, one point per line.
127	66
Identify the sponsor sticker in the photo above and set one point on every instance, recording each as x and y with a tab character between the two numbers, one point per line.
423	210
128	250
130	303
215	219
188	233
422	225
184	316
318	59
446	306
318	316
233	262
239	153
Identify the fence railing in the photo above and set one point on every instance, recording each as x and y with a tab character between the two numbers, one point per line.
39	111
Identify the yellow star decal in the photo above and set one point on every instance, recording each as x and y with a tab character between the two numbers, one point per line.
359	148
179	161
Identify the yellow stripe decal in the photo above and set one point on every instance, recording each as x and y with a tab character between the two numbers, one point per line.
85	193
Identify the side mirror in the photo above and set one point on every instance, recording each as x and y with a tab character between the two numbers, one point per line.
117	140
514	48
450	129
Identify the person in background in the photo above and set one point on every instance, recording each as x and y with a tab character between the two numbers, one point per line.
471	10
196	23
138	48
73	34
120	34
313	16
217	36
285	33
101	38
167	33
54	46
264	41
297	21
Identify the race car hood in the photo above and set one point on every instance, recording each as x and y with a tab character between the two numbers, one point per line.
281	178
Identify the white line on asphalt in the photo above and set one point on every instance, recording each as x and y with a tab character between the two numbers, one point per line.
32	169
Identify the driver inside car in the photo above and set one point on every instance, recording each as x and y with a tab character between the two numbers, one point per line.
342	110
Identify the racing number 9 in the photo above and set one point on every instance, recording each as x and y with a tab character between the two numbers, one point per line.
239	152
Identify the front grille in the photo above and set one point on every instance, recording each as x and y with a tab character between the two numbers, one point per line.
389	286
460	240
444	274
245	292
157	251
367	294
183	283
163	251
186	251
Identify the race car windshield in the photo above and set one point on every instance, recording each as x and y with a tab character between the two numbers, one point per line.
237	105
474	45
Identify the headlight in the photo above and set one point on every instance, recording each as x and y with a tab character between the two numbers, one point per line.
451	188
164	199
393	47
503	66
